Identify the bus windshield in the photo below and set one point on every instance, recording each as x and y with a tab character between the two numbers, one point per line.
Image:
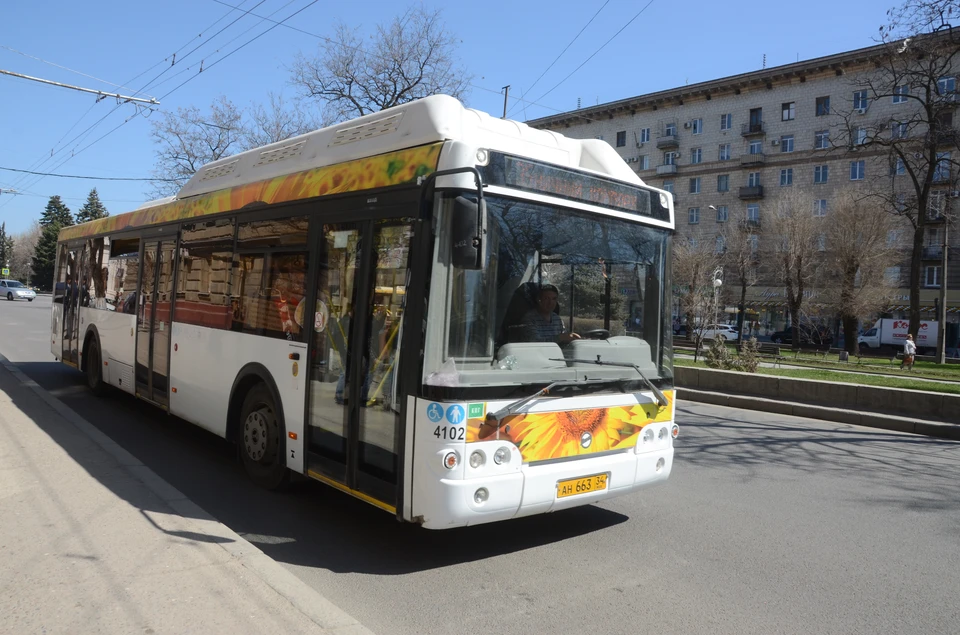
562	290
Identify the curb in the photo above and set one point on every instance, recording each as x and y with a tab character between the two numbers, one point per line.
826	413
305	599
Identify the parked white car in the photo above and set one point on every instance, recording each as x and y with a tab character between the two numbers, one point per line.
15	290
719	331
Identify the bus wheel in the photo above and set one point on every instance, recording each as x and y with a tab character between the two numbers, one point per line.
94	370
261	438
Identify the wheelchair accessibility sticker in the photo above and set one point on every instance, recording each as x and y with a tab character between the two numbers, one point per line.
435	412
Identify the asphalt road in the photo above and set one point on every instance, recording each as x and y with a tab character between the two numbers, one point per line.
769	524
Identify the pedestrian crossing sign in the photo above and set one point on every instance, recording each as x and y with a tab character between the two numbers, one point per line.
4	272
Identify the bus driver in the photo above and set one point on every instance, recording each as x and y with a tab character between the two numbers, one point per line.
542	324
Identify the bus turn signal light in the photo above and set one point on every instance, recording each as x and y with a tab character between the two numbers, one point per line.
292	435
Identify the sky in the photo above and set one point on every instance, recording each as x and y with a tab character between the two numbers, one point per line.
551	53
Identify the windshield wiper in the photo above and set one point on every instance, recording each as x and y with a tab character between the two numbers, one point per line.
661	398
495	419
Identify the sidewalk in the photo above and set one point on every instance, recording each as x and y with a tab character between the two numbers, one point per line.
92	541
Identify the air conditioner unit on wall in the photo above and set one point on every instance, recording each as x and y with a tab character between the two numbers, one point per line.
686	124
775	142
860	110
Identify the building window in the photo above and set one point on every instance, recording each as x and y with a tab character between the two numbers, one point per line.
726	121
753	213
898	168
697	125
823	106
693	215
668	186
820	207
788	111
786	177
900	94
723	182
857	169
821	242
724	154
621	138
670	130
931	276
721	244
947	86
644	135
786	143
821	174
891	276
935	205
754	241
644	162
722	214
695	185
860	100
893	239
753	179
756	147
859	136
669	158
821	140
942	170
898	130
696	155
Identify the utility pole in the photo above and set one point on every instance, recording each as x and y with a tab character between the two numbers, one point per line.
506	94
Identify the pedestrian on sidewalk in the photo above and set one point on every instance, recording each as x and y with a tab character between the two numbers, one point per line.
909	350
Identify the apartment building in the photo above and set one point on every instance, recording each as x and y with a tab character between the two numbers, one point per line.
727	147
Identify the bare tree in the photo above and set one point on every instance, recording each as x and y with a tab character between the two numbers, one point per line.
188	139
412	57
276	122
21	258
796	241
859	249
695	258
918	150
741	256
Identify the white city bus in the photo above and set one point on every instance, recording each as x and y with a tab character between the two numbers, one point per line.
428	380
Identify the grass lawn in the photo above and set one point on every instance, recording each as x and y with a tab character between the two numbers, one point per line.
889	381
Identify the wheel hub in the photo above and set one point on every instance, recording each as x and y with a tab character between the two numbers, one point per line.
256	433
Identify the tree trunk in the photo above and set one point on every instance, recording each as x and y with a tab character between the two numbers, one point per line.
743	309
795	322
850	334
915	273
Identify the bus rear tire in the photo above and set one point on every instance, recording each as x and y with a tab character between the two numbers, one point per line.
261	438
94	369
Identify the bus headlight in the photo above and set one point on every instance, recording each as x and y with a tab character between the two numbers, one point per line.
664	201
660	463
481	495
662	434
451	460
502	455
477	459
648	435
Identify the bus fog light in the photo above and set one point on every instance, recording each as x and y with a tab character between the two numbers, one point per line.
664	201
660	463
675	431
477	459
662	434
502	455
481	495
451	460
648	435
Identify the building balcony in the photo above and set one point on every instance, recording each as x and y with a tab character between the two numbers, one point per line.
750	224
752	129
668	141
751	192
752	159
670	168
932	253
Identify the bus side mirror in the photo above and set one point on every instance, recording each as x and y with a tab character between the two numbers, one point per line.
469	234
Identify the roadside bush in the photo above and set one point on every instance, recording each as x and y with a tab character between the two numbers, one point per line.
750	355
718	356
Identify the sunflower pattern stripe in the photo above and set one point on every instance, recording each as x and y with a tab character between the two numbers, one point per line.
394	168
553	435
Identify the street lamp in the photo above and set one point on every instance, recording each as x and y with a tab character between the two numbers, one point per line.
717	283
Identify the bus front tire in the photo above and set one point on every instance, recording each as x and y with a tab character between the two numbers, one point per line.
261	440
94	370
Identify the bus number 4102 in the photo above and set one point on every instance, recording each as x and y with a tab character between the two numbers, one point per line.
450	433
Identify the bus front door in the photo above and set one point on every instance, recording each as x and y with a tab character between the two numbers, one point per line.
353	412
154	313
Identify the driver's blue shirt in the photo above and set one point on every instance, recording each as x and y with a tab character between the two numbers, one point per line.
538	328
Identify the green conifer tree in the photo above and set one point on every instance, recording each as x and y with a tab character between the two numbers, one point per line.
92	209
56	212
55	216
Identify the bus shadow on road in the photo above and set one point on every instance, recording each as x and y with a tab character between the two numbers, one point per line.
309	525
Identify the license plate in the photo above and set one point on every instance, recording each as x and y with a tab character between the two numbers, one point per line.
583	485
